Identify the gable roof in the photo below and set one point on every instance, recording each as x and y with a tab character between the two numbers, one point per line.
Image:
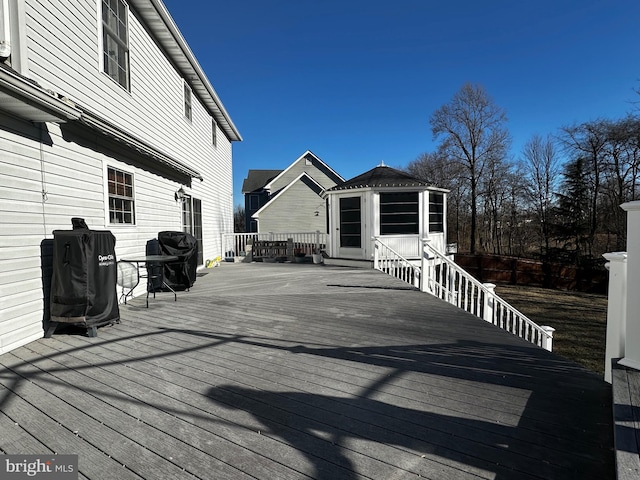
319	164
159	22
381	176
304	178
257	179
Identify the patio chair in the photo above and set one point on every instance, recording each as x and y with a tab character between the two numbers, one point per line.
128	278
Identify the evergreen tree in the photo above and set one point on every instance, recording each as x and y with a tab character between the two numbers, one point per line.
573	214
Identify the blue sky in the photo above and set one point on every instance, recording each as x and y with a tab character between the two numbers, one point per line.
356	81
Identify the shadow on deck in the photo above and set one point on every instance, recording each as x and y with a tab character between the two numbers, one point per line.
305	371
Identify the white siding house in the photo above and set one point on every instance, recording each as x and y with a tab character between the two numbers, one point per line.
104	114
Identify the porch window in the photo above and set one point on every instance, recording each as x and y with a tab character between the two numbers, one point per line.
436	212
350	222
399	213
115	42
121	203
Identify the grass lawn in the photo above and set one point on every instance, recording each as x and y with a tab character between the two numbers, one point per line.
580	320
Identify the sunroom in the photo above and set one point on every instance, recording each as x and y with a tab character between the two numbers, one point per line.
392	206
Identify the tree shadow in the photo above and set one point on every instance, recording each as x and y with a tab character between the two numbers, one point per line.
467	409
562	432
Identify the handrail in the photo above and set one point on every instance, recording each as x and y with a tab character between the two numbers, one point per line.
389	261
449	282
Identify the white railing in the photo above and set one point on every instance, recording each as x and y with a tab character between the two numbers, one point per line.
441	277
623	320
235	244
389	261
449	282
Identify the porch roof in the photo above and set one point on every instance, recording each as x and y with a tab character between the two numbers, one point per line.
296	371
381	176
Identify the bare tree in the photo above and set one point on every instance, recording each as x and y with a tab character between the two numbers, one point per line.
440	172
473	134
620	177
542	168
587	142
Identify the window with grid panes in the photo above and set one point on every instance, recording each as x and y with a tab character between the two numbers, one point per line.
115	42
121	202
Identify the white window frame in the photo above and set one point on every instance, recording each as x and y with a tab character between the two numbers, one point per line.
188	101
107	167
124	43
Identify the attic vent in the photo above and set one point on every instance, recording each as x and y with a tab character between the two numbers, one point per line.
307	161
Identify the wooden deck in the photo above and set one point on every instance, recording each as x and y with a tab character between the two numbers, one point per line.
294	371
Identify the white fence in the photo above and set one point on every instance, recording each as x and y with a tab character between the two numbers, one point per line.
235	244
441	277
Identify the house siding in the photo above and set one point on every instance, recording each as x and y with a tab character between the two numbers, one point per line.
63	49
294	212
300	167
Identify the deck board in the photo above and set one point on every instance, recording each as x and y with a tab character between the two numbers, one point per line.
294	371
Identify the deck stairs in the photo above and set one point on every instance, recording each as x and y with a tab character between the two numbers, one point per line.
438	275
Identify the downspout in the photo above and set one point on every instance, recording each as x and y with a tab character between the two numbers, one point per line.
43	180
5	30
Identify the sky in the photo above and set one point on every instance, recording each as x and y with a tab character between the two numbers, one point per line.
356	81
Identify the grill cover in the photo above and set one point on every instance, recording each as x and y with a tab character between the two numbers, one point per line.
180	274
83	284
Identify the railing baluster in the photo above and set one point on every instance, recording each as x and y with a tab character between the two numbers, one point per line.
469	295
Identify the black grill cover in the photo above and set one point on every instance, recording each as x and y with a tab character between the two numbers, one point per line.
83	284
181	274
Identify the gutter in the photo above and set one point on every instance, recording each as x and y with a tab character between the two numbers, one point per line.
30	93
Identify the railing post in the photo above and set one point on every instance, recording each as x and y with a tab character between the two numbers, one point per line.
616	309
424	266
547	337
632	316
376	254
489	302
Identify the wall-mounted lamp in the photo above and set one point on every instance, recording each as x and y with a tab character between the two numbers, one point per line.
179	195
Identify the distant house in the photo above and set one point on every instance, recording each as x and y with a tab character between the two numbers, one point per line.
105	114
256	195
290	200
387	203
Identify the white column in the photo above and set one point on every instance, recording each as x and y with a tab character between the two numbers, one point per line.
632	333
616	309
489	302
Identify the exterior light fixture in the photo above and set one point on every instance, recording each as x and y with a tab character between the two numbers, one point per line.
179	195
